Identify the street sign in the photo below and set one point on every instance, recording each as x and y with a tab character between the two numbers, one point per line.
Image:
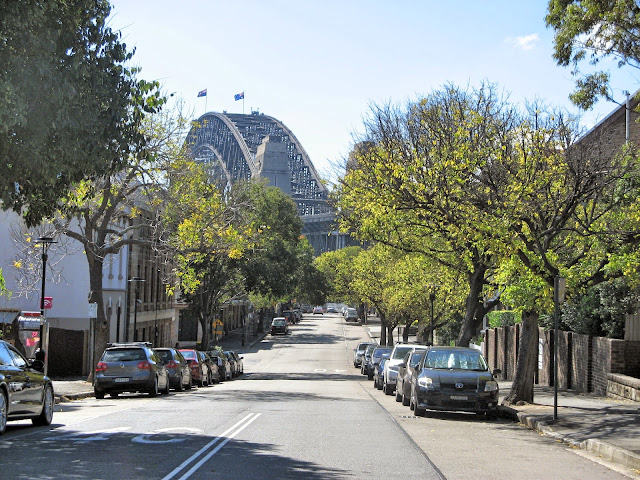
48	302
93	310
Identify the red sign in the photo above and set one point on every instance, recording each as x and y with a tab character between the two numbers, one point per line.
48	302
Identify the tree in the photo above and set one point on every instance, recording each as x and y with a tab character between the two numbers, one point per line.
592	31
412	184
71	108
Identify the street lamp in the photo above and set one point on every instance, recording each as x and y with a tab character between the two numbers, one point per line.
46	243
137	281
558	298
432	297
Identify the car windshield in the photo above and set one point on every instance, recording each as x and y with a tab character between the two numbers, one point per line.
463	360
124	355
378	352
400	352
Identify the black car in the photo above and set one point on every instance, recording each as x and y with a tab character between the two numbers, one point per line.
25	392
454	378
130	367
177	368
279	325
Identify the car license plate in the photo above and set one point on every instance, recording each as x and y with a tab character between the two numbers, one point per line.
459	397
121	380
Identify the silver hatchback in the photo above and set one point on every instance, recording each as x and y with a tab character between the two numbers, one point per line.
130	367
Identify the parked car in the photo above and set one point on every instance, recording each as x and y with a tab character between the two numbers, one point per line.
366	358
224	367
405	370
375	360
379	371
214	372
317	310
25	391
237	367
351	315
454	378
130	367
306	308
290	316
198	365
391	367
359	352
279	325
177	368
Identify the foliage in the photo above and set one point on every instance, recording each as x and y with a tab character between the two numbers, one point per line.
591	31
601	310
503	318
337	269
67	97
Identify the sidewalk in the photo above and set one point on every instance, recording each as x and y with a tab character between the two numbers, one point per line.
604	426
68	389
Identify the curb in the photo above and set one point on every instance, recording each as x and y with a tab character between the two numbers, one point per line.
72	397
605	450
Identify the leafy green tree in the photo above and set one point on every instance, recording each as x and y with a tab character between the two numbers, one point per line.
71	107
338	271
412	183
592	31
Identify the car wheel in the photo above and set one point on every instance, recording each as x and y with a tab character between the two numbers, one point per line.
167	387
98	394
492	415
398	394
386	388
180	386
46	415
190	383
370	376
153	391
4	408
417	411
405	400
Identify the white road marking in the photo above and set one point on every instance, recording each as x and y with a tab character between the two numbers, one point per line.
225	437
148	438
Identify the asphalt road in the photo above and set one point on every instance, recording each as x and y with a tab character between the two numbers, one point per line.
301	411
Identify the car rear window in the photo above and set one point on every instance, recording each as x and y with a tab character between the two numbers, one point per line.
124	355
189	354
400	352
164	354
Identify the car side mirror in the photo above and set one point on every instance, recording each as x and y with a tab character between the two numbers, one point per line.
497	371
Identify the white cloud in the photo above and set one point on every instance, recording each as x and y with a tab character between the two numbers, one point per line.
526	42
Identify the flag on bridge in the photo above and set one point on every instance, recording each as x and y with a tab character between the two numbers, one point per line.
239	96
202	93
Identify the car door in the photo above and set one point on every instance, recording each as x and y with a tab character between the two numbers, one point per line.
16	376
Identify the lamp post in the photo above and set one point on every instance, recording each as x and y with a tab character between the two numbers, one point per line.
558	298
46	243
136	281
432	297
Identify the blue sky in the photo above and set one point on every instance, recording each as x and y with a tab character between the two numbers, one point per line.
318	65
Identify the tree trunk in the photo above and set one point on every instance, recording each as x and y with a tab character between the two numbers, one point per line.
390	329
522	386
405	333
101	326
383	328
470	322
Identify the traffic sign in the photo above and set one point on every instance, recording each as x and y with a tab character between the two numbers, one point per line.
93	310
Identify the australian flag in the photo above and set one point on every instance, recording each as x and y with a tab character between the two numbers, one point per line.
239	96
202	93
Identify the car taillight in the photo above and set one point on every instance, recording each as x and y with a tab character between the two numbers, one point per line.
144	365
101	367
172	364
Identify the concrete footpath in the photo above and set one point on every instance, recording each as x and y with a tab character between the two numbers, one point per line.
603	426
606	427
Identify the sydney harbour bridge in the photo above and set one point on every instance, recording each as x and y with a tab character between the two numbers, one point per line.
243	147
